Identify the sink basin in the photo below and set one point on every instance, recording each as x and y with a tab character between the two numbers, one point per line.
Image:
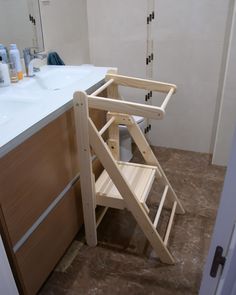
54	79
31	92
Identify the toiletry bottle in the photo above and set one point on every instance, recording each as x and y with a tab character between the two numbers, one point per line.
4	74
15	59
3	54
13	73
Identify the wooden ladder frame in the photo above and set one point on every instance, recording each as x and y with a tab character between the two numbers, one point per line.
119	112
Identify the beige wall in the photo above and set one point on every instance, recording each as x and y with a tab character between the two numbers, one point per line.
15	26
189	41
188	47
65	29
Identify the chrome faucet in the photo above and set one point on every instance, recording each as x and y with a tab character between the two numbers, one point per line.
30	55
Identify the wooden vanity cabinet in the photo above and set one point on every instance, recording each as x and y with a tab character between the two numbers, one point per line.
32	177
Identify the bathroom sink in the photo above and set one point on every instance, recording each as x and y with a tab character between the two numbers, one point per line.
56	79
30	104
33	92
53	79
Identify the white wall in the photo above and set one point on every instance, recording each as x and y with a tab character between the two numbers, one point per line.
15	26
65	29
117	34
189	38
227	115
7	283
117	38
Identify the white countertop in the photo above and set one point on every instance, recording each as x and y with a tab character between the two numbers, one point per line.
41	107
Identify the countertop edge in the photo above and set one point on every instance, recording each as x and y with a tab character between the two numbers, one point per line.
19	139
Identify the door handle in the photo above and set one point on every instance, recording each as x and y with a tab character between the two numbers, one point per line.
218	260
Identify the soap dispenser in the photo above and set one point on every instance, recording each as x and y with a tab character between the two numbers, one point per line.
4	74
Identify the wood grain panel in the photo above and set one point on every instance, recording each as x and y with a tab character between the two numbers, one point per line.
34	173
39	255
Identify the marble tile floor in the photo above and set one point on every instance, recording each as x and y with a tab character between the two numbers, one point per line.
124	263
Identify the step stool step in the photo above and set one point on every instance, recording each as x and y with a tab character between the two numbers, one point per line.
160	207
170	223
139	177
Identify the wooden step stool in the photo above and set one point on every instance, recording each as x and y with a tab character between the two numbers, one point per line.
122	184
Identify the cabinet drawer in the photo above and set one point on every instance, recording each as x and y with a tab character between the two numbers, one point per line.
34	173
40	253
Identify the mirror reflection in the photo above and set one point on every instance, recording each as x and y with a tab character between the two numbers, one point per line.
20	24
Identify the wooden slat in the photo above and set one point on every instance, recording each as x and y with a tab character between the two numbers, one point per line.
122	119
100	216
136	165
103	87
170	224
126	107
86	175
148	186
137	210
151	159
141	83
145	207
166	100
112	90
139	177
160	206
107	125
114	140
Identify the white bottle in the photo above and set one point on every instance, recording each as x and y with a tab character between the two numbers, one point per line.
15	59
3	54
4	74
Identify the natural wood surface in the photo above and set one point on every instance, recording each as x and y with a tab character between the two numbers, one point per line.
167	98
140	178
141	83
103	87
86	175
170	223
151	159
158	214
123	185
125	190
126	107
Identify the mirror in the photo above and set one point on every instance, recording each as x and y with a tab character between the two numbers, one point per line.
20	23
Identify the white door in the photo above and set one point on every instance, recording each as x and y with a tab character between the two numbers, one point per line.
7	283
224	236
